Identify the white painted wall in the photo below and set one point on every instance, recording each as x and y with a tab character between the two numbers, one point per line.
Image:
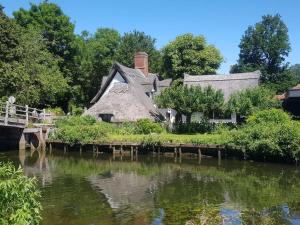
117	79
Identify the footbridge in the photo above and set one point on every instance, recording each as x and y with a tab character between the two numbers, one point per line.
23	126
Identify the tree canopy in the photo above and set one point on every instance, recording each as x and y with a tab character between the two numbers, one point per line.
190	54
187	100
137	41
27	70
265	47
97	53
55	27
251	100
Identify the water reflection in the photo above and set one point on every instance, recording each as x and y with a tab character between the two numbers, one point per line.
85	190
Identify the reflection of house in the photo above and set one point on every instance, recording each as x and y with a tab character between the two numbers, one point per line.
126	190
228	84
291	100
126	94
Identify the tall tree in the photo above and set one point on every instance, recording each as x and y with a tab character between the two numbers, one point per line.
27	70
295	70
137	41
265	47
55	27
97	53
190	54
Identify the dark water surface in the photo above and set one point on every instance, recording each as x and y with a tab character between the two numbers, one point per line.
159	190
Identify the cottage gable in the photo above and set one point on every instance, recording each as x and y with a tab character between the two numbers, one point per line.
126	94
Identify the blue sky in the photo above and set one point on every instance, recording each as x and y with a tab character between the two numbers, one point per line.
221	22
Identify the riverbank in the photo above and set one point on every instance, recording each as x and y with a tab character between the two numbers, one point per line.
269	135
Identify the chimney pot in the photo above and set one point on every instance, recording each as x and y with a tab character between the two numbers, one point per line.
141	62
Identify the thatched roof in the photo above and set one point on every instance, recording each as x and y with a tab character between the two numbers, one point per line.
126	101
228	84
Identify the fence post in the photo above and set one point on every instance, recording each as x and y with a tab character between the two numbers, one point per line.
44	115
6	113
27	115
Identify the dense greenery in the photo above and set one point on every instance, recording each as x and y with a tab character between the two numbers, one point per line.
269	134
265	47
18	197
27	69
190	54
187	100
137	41
251	100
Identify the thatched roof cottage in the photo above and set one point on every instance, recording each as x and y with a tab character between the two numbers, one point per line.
228	84
126	94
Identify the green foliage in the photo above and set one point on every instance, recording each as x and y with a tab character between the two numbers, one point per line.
96	54
27	70
146	126
264	47
269	134
204	126
57	111
137	41
251	100
269	116
295	70
18	197
187	100
56	28
190	54
83	129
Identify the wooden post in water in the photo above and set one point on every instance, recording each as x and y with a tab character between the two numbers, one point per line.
50	148
136	153
199	153
65	148
175	152
219	157
121	150
114	152
80	149
131	153
158	150
179	150
6	113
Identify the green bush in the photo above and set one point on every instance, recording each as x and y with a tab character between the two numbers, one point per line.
57	111
18	197
204	126
146	126
269	116
84	129
269	134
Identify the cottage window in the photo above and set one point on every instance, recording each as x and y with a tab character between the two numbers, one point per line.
106	117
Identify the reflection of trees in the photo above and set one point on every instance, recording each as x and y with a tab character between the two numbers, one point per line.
136	190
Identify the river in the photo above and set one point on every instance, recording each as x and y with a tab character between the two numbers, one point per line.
152	190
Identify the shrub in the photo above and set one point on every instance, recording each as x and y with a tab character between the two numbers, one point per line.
18	197
269	133
57	111
204	126
85	129
269	116
146	126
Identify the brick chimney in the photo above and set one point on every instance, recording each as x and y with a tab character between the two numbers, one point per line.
141	62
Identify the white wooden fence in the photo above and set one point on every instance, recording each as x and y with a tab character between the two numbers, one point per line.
18	115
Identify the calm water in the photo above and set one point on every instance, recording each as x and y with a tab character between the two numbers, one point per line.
159	190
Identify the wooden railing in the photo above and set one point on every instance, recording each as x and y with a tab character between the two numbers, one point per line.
21	115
